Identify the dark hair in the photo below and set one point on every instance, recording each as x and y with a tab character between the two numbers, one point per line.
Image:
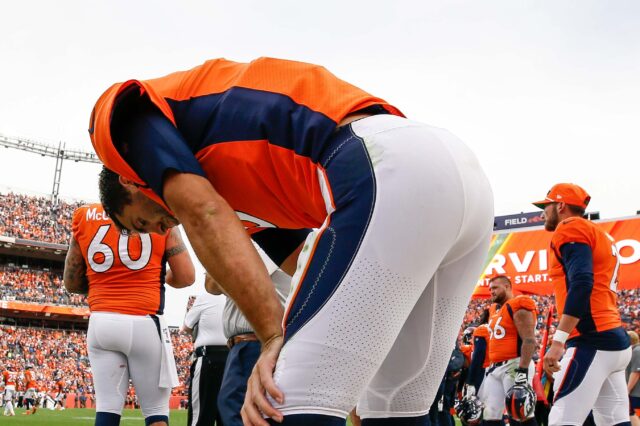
576	210
113	196
497	277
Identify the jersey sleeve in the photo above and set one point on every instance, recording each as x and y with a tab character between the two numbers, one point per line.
571	231
149	142
482	332
522	302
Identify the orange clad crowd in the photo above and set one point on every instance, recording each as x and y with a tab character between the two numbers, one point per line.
51	351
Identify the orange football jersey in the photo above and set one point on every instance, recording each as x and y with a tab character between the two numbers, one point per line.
9	378
125	272
604	313
29	378
257	130
504	341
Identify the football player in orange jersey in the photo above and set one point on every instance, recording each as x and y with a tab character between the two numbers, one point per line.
401	214
584	268
512	344
124	276
60	389
9	379
31	390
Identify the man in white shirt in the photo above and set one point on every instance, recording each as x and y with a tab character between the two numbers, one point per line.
210	352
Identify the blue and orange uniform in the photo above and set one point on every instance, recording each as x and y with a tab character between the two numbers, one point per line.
584	271
505	342
275	140
125	272
503	353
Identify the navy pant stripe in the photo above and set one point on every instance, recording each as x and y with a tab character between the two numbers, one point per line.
576	371
352	182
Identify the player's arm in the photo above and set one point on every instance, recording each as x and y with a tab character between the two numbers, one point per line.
182	273
225	250
634	377
578	264
211	285
577	259
474	376
75	270
216	235
158	152
525	324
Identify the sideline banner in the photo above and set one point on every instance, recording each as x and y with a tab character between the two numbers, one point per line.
524	257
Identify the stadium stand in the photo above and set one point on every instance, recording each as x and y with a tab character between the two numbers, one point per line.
56	341
30	284
35	218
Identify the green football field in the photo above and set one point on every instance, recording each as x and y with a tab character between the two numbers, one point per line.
85	416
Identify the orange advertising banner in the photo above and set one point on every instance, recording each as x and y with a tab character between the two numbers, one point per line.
523	255
47	309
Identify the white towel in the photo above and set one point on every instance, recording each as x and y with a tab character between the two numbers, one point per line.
168	372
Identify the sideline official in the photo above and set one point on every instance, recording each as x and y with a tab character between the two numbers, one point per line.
210	353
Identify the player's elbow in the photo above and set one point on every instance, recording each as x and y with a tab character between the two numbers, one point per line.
183	279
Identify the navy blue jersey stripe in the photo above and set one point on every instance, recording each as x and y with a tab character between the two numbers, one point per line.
353	186
163	274
241	114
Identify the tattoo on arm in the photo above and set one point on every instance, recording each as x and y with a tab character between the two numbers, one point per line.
75	271
175	250
176	246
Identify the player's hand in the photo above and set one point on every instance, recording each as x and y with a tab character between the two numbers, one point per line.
261	380
470	391
551	362
522	376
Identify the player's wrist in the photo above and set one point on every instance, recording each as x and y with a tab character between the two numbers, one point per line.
560	337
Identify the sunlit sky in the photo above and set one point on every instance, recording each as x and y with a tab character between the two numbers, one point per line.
543	91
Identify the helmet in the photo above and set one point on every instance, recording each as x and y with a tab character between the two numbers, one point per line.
520	402
469	410
467	335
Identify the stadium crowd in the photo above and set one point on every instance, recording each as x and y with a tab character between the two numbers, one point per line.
36	218
62	352
35	286
54	352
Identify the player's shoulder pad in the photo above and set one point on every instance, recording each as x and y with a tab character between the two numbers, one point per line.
522	302
481	331
573	230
